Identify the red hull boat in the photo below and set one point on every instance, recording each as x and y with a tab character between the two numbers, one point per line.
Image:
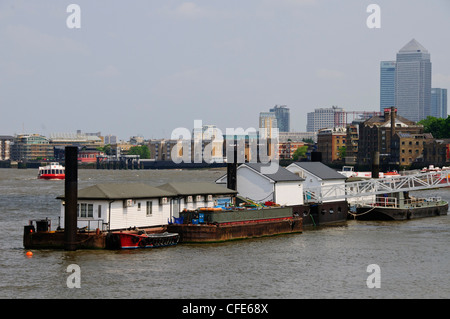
132	241
52	171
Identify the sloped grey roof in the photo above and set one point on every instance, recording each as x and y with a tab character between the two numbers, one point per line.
197	188
120	191
281	175
320	170
413	46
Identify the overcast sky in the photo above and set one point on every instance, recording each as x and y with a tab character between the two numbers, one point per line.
146	67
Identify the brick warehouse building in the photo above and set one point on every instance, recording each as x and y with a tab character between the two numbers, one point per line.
377	135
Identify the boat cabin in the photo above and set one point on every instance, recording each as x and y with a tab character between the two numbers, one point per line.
127	205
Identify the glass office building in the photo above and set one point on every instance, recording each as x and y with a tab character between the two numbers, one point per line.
413	82
283	117
439	103
387	84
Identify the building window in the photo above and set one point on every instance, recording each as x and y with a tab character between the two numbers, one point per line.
83	210
87	210
149	208
99	211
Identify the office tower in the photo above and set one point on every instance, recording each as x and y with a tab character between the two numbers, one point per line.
439	103
325	118
413	82
387	84
283	117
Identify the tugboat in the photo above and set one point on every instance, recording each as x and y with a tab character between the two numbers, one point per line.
52	171
401	206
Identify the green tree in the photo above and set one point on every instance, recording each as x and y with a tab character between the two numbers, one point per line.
300	152
438	127
342	152
142	150
105	149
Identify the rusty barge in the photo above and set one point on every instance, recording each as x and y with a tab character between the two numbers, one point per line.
217	225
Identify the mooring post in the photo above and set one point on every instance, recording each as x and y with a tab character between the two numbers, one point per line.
232	164
376	165
71	198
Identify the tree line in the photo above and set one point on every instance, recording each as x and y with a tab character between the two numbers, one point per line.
439	127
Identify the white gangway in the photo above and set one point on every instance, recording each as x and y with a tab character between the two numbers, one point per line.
373	186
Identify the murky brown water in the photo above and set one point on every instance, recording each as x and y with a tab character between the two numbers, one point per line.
413	256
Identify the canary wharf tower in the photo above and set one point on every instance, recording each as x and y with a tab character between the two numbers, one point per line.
413	82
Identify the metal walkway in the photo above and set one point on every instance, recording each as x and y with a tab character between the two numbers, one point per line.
377	186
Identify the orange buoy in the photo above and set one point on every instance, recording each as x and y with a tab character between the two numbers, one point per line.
29	253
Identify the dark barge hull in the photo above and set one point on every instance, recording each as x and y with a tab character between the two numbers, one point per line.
220	232
44	239
322	213
55	240
386	213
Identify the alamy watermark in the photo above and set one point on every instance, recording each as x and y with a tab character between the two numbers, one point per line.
73	21
74	279
374	279
207	145
374	19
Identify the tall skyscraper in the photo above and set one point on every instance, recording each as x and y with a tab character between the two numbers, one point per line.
413	82
283	117
387	84
439	103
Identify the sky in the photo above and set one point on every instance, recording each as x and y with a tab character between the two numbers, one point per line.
148	67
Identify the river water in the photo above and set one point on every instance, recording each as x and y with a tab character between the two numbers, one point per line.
330	262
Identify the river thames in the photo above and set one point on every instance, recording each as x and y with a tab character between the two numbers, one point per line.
330	262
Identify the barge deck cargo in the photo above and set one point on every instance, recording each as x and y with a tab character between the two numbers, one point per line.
210	225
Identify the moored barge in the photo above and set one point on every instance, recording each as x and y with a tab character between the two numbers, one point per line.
217	225
400	206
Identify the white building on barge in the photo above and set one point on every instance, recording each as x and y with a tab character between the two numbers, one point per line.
283	187
317	174
117	206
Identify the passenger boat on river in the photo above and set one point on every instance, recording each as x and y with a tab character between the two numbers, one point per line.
52	171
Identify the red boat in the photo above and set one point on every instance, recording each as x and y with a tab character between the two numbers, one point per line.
130	240
52	171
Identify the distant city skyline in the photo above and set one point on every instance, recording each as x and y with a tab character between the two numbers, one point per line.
145	68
